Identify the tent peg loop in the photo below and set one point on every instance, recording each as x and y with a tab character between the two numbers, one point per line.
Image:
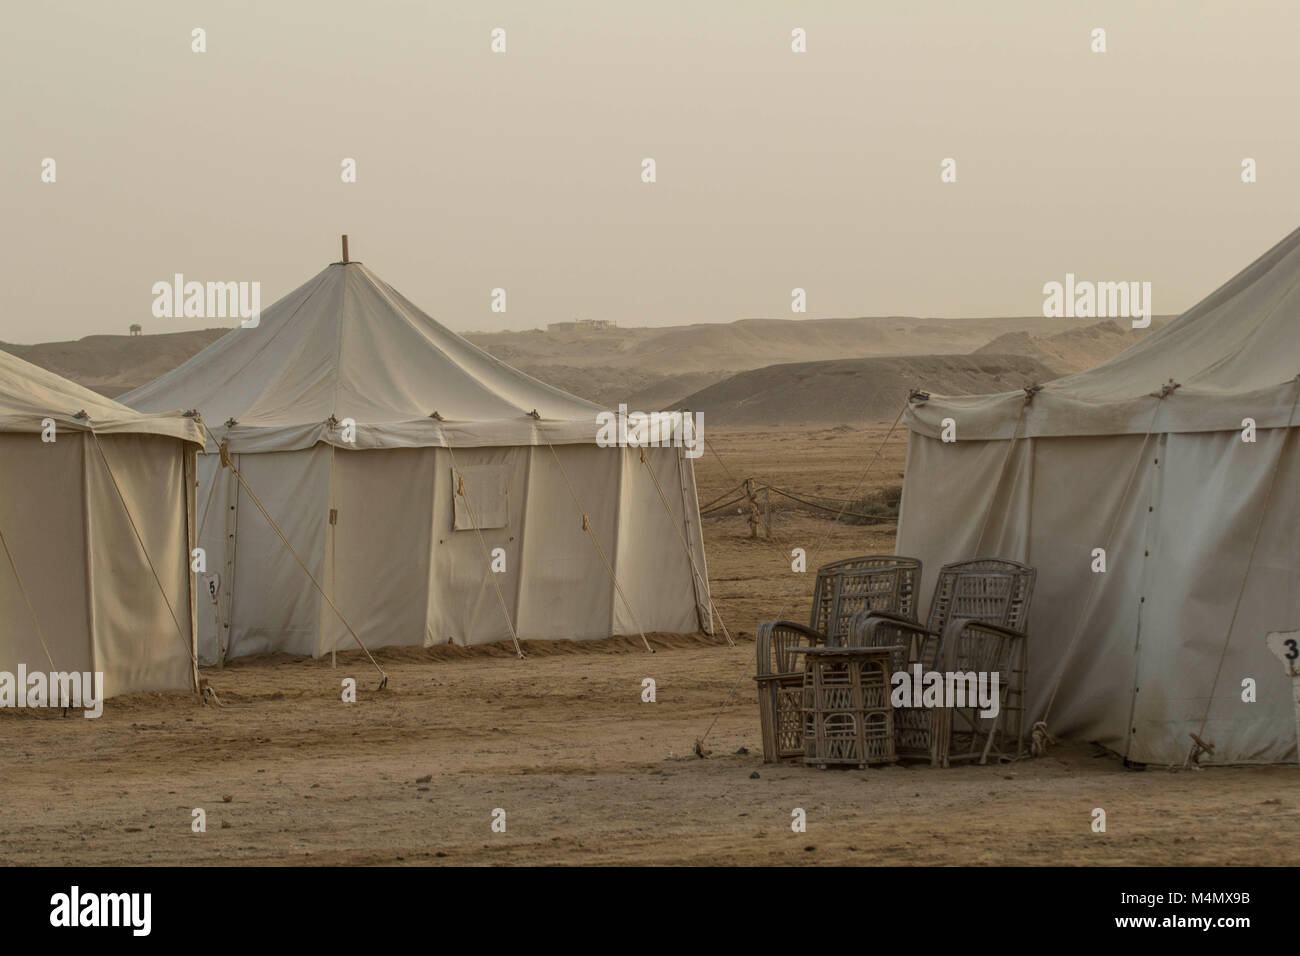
1199	747
1041	739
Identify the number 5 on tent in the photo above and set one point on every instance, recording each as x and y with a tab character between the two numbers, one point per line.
1286	646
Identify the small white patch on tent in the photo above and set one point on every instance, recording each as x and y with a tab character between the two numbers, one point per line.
487	488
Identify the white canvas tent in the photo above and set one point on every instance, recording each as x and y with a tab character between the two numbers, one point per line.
97	531
1199	526
379	521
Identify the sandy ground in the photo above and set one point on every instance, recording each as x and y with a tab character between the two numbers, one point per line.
585	771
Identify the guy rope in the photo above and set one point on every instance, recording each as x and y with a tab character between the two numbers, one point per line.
1199	746
463	492
586	526
186	640
686	544
226	462
40	635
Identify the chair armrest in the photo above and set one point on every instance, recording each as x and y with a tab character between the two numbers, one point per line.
763	643
865	624
951	644
891	615
810	632
1010	632
956	625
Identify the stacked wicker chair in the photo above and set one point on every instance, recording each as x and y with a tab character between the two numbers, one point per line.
976	623
844	590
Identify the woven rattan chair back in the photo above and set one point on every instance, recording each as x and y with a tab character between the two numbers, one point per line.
869	583
992	590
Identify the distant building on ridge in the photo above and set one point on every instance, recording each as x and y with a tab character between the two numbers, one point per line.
583	325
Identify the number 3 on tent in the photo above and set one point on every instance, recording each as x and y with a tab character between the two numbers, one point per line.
1285	646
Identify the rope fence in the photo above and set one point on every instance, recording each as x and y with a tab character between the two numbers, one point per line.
751	487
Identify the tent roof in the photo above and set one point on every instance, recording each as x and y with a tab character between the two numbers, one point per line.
29	394
347	345
1234	355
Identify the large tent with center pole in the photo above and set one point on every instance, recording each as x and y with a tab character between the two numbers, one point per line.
1180	459
96	532
370	476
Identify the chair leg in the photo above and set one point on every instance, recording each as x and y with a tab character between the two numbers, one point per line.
1022	686
995	725
940	736
1014	688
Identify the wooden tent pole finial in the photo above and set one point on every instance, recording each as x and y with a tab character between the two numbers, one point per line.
345	248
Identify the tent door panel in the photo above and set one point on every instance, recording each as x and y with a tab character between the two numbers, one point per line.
478	544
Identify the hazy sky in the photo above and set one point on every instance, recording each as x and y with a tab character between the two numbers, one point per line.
522	170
